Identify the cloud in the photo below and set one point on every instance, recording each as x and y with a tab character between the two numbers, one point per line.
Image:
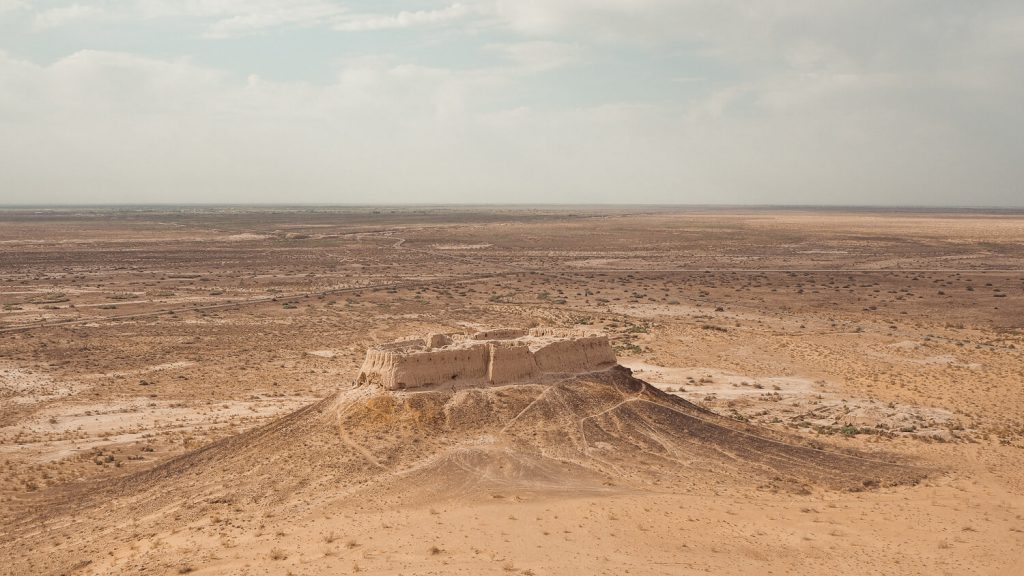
652	101
106	127
58	17
403	19
803	34
10	6
119	125
537	56
234	18
597	18
271	15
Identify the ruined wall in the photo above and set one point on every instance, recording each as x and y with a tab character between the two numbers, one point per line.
509	357
582	354
510	363
500	334
378	368
395	370
560	333
435	340
401	344
440	366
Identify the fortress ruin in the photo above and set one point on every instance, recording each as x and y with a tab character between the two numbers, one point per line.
491	357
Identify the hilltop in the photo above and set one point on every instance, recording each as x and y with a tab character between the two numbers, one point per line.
602	433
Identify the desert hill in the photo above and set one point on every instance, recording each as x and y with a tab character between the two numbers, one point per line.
600	432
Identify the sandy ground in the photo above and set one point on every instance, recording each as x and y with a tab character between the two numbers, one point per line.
130	341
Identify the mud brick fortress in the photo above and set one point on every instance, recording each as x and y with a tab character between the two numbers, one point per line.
492	357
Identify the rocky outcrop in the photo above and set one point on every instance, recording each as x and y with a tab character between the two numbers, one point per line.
492	357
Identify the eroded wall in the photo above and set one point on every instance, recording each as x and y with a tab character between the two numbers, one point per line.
507	358
510	364
499	334
576	355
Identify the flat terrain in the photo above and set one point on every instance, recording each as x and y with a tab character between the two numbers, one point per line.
176	392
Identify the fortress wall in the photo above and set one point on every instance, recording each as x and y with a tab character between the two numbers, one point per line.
435	340
440	366
510	363
550	332
402	344
411	364
500	334
378	368
577	355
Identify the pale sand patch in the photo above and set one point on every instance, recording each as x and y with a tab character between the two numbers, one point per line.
800	402
148	369
244	237
102	424
28	386
460	246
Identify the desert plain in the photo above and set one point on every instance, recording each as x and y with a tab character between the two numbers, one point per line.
809	391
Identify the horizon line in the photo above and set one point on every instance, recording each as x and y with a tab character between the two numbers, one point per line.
550	205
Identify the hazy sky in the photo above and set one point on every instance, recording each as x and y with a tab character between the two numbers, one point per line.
657	101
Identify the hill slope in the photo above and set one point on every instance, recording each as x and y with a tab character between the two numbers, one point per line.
605	432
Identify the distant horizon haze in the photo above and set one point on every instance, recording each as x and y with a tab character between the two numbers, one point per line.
536	205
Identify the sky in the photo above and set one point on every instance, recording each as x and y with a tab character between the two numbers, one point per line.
820	102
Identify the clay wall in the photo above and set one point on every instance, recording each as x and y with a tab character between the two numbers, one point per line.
510	364
401	344
434	340
500	334
440	366
510	358
577	355
377	367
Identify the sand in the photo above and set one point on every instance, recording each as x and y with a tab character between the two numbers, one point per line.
174	384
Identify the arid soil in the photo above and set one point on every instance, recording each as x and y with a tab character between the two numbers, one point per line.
811	391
